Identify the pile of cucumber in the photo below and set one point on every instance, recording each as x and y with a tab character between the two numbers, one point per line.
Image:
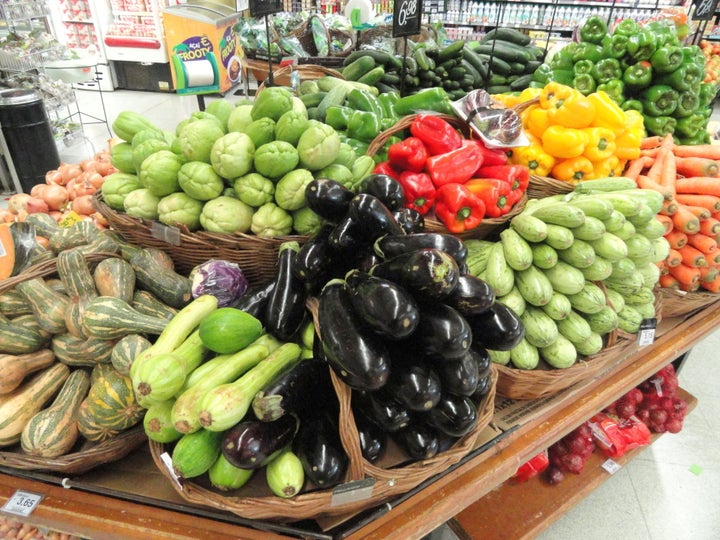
503	61
575	267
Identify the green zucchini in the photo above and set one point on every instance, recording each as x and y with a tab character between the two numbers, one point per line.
529	227
574	327
540	329
195	453
358	67
604	321
565	279
497	273
559	237
580	254
285	474
534	286
560	354
558	307
592	229
591	299
517	251
524	355
507	34
514	300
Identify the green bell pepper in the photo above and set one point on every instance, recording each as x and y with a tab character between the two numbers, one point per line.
606	70
562	76
582	67
542	73
641	45
338	116
615	89
707	94
615	46
594	30
690	125
659	100
659	125
664	31
428	99
359	147
360	100
626	27
687	76
701	137
564	58
584	83
666	59
632	105
687	103
588	51
638	76
387	102
693	54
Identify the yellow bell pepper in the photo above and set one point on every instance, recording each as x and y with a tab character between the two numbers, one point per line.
573	169
529	93
534	158
563	142
570	109
607	113
601	143
606	167
634	121
627	145
555	93
536	121
506	99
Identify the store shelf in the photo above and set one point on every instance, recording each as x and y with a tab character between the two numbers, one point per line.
411	516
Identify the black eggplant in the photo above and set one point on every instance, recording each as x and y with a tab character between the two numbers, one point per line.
347	235
250	444
453	415
471	296
383	306
255	300
372	437
443	332
321	453
382	408
314	259
482	389
390	246
445	441
328	198
359	357
430	274
418	440
415	385
482	359
410	220
459	376
365	259
289	392
374	217
498	328
387	189
285	311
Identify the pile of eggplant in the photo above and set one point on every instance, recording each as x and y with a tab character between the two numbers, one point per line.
399	318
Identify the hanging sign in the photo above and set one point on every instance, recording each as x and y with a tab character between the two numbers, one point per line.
704	10
260	8
406	17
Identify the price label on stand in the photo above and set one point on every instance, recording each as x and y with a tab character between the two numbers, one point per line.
406	17
704	9
260	8
646	333
22	503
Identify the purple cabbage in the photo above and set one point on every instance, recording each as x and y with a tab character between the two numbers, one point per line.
223	279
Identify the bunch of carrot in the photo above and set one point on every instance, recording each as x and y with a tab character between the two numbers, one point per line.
689	179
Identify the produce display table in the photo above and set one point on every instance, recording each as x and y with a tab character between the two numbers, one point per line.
108	513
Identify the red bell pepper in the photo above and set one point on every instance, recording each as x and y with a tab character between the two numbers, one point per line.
492	156
408	155
518	176
458	208
384	167
494	193
533	467
456	166
419	191
438	135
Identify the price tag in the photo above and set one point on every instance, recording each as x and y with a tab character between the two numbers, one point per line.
171	235
260	8
352	492
167	461
704	10
611	466
22	503
406	17
646	333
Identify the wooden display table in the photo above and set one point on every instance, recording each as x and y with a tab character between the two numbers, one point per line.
414	515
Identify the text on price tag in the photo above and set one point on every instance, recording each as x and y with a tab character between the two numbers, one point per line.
22	503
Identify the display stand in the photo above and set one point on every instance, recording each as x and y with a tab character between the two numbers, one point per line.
414	515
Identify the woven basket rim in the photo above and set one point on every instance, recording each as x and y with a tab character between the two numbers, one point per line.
677	303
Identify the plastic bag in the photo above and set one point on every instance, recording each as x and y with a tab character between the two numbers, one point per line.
615	437
533	467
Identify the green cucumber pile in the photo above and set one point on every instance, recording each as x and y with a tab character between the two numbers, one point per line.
575	267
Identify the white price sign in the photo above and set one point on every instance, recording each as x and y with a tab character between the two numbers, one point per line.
22	503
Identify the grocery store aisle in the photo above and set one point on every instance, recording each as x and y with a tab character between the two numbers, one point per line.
669	492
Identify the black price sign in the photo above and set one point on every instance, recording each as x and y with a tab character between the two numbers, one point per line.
406	17
260	8
704	9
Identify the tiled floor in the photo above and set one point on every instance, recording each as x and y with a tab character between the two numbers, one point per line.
655	497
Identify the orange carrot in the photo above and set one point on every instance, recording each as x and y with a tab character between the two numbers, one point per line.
699	212
673	259
712	286
645	182
711	202
650	152
650	142
686	275
710	227
716	215
713	259
685	221
697	166
666	221
663	268
676	239
699	185
704	243
709	273
668	281
670	207
636	166
709	151
692	256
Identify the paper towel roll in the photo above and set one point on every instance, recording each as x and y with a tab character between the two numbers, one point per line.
364	14
199	73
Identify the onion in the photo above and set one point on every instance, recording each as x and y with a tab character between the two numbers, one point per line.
6	216
53	177
55	196
98	218
104	168
43	241
88	164
83	205
36	205
56	215
18	202
95	179
37	190
69	171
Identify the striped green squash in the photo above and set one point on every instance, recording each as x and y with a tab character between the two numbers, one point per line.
22	335
125	351
111	402
81	352
47	305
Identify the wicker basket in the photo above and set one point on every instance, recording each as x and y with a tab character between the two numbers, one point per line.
86	457
308	72
256	256
252	503
488	225
542	186
677	303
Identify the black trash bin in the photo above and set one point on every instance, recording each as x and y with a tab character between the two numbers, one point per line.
28	135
